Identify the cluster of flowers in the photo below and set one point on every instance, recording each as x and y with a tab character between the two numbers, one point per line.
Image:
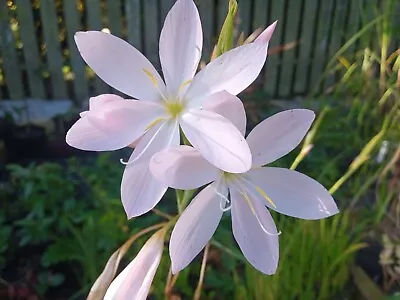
213	120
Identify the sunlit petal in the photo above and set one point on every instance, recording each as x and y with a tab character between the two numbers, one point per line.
293	193
182	167
112	125
228	106
278	135
135	280
181	42
120	65
217	139
233	71
195	227
140	191
259	248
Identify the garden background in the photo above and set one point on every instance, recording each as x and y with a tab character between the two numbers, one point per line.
60	213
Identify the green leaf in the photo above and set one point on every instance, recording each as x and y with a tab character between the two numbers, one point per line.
225	40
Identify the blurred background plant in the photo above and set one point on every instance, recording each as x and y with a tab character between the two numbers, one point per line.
61	219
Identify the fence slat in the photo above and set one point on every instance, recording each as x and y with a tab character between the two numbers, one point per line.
95	23
289	56
273	61
53	49
78	67
321	44
33	63
206	11
260	14
336	36
353	22
133	17
114	17
151	31
221	10
11	67
115	25
306	43
165	7
244	17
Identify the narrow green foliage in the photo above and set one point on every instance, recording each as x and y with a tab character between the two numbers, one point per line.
314	263
225	40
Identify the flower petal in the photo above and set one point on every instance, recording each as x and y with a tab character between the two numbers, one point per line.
233	71
217	139
112	125
99	102
278	135
183	168
266	35
259	248
195	227
140	191
181	42
228	106
135	280
293	193
120	65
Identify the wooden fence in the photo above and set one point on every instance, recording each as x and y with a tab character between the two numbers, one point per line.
39	59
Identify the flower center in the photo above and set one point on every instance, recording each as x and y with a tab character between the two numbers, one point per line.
174	108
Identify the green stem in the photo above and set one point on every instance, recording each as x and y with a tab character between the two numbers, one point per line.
184	199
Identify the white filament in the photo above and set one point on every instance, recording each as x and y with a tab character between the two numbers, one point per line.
144	149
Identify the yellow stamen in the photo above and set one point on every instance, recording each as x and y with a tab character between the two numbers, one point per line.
246	197
266	197
156	121
260	191
151	76
184	84
174	108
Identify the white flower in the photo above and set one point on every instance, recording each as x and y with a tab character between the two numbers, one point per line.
134	282
251	193
113	123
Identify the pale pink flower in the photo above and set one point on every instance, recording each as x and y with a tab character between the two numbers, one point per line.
113	123
247	195
134	282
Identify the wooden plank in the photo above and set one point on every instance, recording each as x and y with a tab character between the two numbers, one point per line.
260	17
151	31
94	23
221	8
321	44
289	56
206	10
11	66
80	83
353	23
115	25
305	44
273	61
367	15
114	17
165	7
53	48
30	49
244	16
134	25
260	14
336	36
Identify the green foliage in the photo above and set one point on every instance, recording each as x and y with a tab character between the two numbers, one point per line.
225	40
70	208
314	262
5	235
